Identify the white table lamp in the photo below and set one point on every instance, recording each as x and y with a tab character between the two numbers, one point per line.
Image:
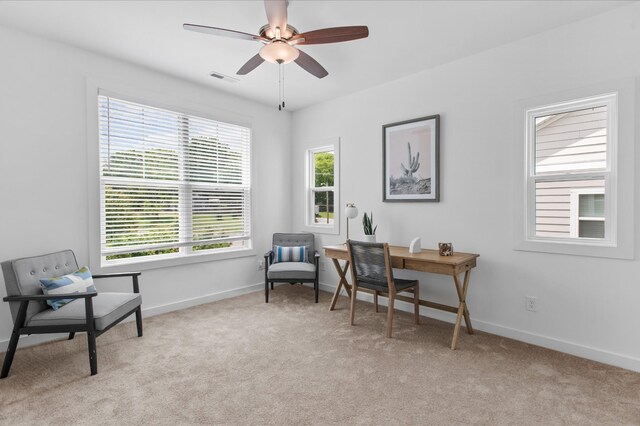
351	211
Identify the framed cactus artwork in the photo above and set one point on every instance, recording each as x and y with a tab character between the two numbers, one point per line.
410	156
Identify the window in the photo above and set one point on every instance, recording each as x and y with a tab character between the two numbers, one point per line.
171	184
587	213
322	199
571	173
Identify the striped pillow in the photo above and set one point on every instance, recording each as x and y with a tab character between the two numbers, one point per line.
289	254
77	282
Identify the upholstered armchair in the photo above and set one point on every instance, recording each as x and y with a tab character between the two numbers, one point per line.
279	267
90	312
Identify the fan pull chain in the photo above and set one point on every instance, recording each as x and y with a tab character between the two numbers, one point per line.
280	86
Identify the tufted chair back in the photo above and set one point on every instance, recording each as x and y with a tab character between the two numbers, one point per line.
22	276
296	240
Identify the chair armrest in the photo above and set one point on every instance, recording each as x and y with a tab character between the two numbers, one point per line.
118	274
36	297
134	276
316	257
268	256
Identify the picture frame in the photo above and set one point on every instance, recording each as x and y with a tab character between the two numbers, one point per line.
411	160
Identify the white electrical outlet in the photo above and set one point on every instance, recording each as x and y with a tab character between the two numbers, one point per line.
323	265
531	303
260	264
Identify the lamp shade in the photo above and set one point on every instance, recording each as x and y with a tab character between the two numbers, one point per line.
351	211
279	51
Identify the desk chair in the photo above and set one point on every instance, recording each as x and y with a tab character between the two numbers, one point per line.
371	268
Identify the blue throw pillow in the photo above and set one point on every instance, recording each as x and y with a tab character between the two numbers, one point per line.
77	282
289	254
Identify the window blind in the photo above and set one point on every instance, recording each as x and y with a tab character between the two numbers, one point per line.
171	182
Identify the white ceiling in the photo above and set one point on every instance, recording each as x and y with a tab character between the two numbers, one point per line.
405	37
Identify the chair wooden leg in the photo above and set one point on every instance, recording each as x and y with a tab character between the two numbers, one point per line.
316	287
271	286
139	320
13	341
11	351
390	314
71	335
375	300
91	337
352	310
266	291
416	303
93	358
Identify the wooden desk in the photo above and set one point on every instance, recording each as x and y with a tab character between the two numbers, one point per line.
425	261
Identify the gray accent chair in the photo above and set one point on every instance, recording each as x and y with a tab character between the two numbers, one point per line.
91	313
292	272
371	268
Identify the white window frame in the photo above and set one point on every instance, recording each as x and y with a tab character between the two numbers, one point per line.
608	173
574	211
154	99
310	189
624	158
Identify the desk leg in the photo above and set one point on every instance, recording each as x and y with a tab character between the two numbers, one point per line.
342	272
462	308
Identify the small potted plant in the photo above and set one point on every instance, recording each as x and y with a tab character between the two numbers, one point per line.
369	229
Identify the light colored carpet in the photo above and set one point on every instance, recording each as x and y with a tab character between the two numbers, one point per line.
241	361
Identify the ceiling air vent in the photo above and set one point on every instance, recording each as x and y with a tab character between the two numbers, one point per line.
221	76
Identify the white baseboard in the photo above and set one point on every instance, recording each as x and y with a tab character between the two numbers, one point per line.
200	300
564	346
35	339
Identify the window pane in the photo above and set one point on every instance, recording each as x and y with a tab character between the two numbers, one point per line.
591	229
323	207
554	208
139	216
323	169
591	205
214	161
570	141
217	215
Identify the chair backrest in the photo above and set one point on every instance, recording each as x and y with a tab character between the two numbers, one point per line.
370	263
22	276
295	240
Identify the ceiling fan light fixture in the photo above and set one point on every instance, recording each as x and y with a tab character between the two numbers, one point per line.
279	52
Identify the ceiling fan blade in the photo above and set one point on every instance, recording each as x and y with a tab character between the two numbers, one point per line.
276	14
310	65
220	32
250	65
332	35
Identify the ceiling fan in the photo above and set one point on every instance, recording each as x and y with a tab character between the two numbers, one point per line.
280	39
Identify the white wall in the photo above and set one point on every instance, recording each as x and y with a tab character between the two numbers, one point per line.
44	196
587	306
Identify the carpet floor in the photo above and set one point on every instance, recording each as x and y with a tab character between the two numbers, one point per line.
241	361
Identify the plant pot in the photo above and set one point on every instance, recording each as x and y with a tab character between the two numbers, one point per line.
370	238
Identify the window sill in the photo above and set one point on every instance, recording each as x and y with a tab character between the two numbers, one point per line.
322	229
572	248
167	262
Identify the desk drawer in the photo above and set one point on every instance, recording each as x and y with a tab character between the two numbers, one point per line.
437	268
